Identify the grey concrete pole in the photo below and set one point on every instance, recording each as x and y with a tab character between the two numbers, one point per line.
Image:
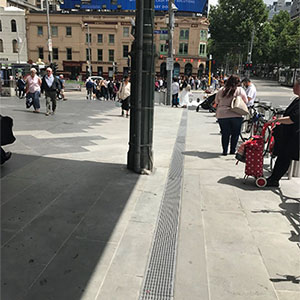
140	156
89	50
49	33
170	59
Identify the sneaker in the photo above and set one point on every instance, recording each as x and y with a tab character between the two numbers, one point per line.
272	183
47	114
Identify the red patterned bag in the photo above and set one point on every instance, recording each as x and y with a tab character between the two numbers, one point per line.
254	156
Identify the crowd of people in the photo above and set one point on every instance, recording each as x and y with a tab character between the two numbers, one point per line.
110	89
102	89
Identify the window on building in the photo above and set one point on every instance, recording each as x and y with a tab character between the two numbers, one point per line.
68	31
125	31
15	46
0	26
100	38
183	48
54	31
88	37
88	54
125	71
202	50
55	53
163	49
111	55
41	52
125	51
184	34
203	35
40	30
99	71
111	38
69	53
1	45
13	26
164	36
100	55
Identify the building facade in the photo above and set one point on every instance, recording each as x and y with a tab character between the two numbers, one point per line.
13	45
277	6
109	34
295	9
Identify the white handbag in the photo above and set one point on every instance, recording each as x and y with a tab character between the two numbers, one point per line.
239	106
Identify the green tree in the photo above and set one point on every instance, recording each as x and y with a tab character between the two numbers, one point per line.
231	24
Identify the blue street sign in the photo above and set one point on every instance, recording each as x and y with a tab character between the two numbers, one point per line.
199	6
160	31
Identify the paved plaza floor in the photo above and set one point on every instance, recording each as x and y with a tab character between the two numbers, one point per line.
76	224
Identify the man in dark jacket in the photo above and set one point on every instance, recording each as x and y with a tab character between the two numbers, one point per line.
50	85
286	139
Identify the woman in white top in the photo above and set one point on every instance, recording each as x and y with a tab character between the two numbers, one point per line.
124	95
33	90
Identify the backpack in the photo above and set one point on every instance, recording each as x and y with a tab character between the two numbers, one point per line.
89	84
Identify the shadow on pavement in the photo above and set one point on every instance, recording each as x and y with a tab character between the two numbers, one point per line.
247	185
291	210
203	154
58	218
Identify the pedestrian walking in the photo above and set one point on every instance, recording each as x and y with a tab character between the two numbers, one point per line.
33	90
62	87
89	85
21	84
50	85
175	91
124	96
286	136
230	122
250	91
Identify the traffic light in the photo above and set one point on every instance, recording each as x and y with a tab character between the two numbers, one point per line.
167	44
54	67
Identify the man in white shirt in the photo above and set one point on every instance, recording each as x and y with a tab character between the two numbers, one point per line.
175	91
250	91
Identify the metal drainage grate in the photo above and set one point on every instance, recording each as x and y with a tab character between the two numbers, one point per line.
159	280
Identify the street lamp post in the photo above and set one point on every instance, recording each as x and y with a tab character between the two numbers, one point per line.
170	59
49	33
89	49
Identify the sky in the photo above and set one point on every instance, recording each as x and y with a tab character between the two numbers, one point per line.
214	2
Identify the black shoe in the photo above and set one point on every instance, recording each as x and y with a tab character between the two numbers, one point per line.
224	154
232	152
272	183
7	157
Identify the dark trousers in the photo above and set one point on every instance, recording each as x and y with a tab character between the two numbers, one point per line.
281	166
21	92
3	156
175	100
230	130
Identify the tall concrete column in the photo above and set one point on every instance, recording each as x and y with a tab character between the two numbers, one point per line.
140	155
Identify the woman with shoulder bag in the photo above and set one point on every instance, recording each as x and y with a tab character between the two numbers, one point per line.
230	122
286	137
124	96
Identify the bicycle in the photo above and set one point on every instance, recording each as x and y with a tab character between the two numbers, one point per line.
253	125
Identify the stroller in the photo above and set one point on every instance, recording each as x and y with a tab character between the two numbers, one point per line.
208	104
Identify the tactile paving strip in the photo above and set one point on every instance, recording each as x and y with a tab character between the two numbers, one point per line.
159	278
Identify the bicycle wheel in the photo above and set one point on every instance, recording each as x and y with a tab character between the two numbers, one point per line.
246	130
267	141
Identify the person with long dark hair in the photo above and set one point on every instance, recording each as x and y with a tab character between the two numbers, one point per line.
286	139
230	122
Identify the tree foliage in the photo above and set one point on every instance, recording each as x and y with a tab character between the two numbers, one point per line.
276	42
231	24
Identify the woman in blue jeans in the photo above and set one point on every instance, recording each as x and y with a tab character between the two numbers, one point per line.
229	121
